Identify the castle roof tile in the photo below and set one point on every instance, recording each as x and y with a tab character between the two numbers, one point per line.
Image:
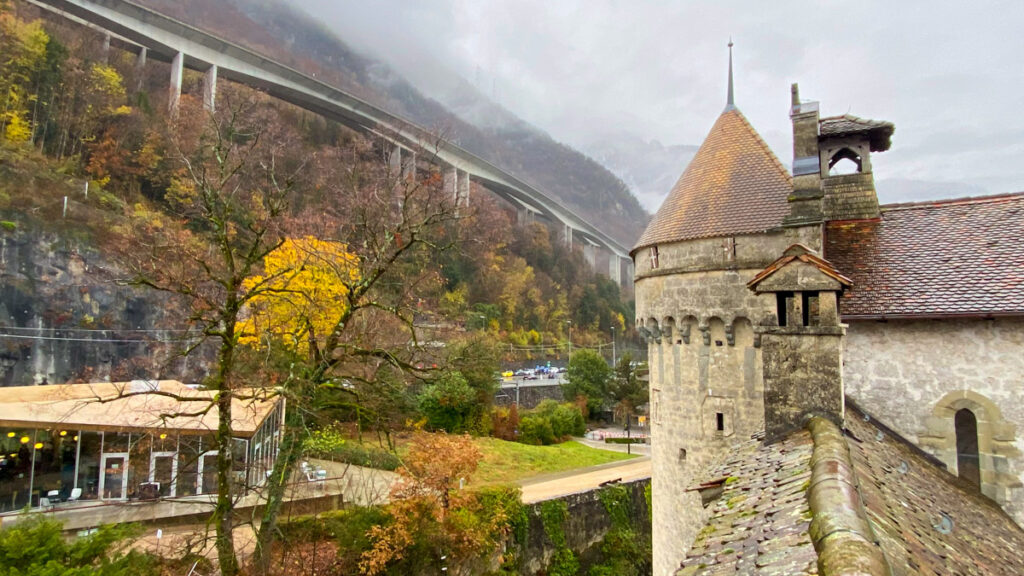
937	258
925	520
734	185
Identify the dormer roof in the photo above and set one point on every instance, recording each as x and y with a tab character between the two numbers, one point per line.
734	185
806	271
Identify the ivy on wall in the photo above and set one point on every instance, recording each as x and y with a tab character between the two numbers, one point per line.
553	515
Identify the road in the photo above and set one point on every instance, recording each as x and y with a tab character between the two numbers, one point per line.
551	486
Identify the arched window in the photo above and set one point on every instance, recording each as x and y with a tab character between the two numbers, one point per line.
967	464
845	161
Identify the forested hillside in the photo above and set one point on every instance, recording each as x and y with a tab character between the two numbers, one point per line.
72	115
288	35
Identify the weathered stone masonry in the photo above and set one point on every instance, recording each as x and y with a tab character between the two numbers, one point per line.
915	374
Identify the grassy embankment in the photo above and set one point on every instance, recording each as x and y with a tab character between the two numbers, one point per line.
507	462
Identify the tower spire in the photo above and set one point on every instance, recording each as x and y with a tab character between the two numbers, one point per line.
730	102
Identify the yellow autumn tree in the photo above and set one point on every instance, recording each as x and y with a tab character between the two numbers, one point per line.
303	291
22	53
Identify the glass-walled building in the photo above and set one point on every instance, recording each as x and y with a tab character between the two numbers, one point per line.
139	440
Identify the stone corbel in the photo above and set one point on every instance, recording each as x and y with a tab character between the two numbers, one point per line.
685	333
730	336
705	331
656	334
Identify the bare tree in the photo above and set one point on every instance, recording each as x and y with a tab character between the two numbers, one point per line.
232	191
392	223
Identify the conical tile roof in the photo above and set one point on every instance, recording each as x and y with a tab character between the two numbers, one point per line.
734	185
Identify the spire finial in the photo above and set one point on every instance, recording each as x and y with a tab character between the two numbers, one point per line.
730	102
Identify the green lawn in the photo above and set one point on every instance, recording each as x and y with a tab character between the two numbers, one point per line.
506	462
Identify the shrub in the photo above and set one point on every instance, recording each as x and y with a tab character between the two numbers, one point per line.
566	419
448	403
624	440
36	545
587	375
346	528
505	422
549	423
536	429
329	444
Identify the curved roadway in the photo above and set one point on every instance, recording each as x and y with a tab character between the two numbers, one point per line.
164	37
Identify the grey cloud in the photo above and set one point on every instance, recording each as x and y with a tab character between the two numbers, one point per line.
656	70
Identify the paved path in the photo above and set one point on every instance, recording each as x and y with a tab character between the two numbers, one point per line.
564	483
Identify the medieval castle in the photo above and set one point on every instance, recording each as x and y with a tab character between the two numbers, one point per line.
797	311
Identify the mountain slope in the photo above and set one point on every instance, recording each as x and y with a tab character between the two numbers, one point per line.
295	39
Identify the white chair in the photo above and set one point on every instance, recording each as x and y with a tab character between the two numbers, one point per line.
44	502
76	493
53	496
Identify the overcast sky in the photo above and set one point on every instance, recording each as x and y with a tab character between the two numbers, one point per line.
948	74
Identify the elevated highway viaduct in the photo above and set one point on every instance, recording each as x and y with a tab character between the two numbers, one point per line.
150	34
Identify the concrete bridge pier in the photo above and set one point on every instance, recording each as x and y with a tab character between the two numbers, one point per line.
524	216
567	235
177	69
106	48
409	168
463	191
140	68
590	255
395	163
615	268
451	180
210	88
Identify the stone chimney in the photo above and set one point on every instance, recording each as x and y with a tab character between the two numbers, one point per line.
802	349
849	141
805	201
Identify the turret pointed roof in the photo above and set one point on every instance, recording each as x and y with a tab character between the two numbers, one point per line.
734	185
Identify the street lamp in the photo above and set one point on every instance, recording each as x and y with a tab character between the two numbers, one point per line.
569	322
613	346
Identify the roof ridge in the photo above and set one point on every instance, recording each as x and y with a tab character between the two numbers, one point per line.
987	198
840	528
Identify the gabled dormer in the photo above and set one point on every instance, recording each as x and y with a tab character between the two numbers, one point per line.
806	288
802	347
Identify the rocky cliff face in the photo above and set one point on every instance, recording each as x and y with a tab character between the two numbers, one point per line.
64	316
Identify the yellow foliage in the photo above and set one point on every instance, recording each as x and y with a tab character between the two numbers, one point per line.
17	129
107	81
22	52
181	192
303	292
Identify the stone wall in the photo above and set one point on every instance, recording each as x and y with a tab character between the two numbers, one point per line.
704	360
915	375
529	396
587	523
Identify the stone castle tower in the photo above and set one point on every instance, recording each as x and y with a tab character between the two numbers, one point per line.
739	310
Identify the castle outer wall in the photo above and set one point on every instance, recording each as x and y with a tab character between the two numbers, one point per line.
915	374
706	378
